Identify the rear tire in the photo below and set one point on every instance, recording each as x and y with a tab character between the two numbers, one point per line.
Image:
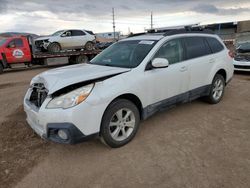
54	47
89	46
120	123
82	59
217	90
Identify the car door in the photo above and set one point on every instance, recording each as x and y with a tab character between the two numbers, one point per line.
167	86
16	51
66	39
79	38
200	59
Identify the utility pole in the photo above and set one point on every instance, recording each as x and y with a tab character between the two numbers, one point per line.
151	20
113	14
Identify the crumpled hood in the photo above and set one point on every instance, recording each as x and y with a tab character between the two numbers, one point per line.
43	38
59	78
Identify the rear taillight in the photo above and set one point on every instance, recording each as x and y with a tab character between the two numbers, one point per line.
231	54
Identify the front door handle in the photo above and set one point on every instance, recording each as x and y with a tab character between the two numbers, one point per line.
183	69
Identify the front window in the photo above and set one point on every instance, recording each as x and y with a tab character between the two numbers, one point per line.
127	54
58	33
2	41
172	51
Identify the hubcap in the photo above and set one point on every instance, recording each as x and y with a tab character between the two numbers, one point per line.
122	124
218	89
56	48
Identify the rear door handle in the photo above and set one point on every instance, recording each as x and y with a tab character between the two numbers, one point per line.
183	69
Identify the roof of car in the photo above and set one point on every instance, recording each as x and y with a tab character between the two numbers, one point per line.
159	36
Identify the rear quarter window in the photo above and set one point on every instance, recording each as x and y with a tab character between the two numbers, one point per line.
77	33
196	47
214	44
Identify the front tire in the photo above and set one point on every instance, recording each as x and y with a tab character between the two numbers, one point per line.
217	90
54	47
120	123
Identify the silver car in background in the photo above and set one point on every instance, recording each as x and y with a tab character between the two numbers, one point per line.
67	39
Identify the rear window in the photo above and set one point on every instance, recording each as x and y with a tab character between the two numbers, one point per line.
196	47
90	32
77	33
214	44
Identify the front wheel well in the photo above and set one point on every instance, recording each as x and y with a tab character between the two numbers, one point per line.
223	73
134	99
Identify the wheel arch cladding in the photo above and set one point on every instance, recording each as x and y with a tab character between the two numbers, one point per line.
132	98
223	73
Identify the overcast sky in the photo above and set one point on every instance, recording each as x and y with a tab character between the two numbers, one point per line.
47	16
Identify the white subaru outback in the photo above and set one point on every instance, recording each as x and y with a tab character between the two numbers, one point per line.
127	83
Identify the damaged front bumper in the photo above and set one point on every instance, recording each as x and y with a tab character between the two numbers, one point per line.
42	44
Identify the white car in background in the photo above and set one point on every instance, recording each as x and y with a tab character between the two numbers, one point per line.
242	57
126	83
67	39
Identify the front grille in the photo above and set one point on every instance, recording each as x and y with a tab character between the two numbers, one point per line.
38	95
241	67
39	43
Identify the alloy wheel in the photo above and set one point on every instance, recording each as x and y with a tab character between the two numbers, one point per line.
122	124
218	88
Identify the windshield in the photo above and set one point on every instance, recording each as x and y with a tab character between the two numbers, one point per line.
244	47
2	41
127	54
58	33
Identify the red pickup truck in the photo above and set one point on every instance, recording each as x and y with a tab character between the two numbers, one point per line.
20	49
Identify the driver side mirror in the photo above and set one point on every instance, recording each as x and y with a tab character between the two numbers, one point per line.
63	35
160	63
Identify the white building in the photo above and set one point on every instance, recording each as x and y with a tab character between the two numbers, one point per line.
109	35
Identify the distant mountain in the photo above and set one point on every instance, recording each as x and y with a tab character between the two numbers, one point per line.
10	34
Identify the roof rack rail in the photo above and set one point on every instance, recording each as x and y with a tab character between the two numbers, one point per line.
189	29
136	34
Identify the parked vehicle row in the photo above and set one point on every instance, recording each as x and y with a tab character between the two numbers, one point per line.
126	83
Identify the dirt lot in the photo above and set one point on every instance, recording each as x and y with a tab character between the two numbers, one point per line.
192	145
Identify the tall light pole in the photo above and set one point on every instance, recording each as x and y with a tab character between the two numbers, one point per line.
113	14
151	20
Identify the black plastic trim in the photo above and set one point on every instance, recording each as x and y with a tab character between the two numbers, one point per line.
242	66
173	101
188	30
74	134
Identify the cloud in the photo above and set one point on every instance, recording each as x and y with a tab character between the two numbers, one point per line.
46	16
212	9
3	6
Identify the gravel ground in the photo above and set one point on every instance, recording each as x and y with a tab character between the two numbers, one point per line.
192	145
